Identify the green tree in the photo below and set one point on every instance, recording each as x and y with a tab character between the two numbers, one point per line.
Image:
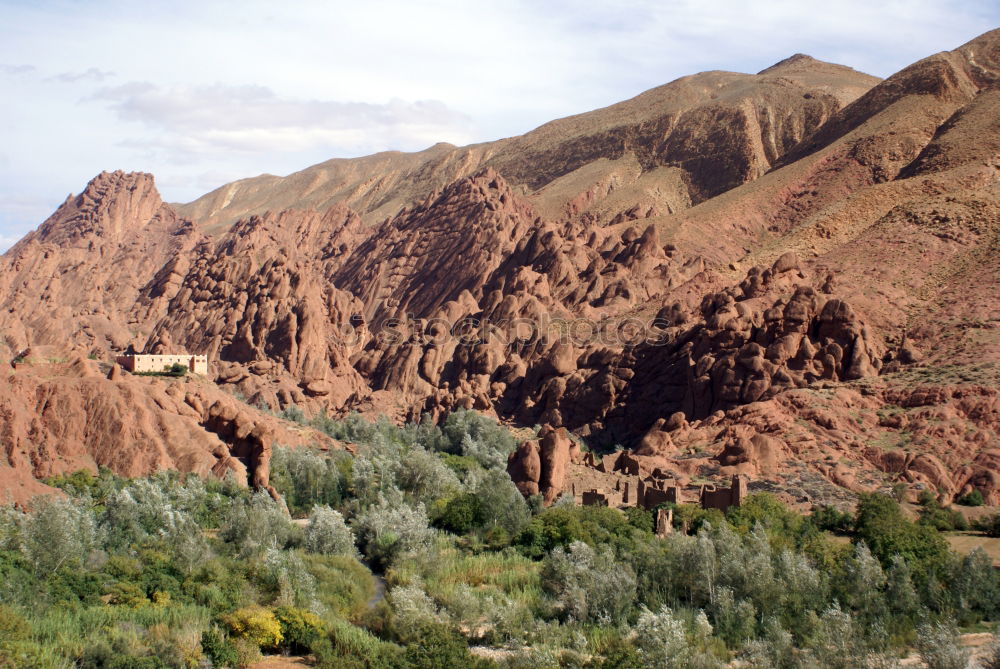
327	533
880	523
940	648
588	585
972	498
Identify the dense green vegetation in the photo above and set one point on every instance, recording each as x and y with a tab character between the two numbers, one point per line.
173	571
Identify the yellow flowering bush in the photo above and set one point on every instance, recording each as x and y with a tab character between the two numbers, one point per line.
255	624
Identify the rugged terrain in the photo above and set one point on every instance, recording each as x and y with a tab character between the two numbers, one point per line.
792	274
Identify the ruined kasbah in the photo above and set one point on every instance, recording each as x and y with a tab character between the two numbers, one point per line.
553	465
651	492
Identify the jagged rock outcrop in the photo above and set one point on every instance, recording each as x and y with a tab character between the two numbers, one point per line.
58	418
260	302
73	281
743	347
430	254
540	466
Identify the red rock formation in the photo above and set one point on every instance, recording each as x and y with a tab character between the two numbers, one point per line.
540	466
682	273
74	281
58	418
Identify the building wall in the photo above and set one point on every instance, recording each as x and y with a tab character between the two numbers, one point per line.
595	498
653	493
726	497
157	363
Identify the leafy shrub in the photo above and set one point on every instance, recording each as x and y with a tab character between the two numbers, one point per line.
255	624
58	532
10	528
837	642
974	588
831	519
387	530
880	523
989	525
461	514
692	518
939	647
76	483
300	629
437	647
285	576
152	510
472	434
343	585
294	414
425	477
766	510
177	369
618	654
773	650
934	515
306	478
256	524
861	583
247	653
462	465
413	611
13	626
561	526
218	648
502	507
640	518
662	640
972	498
588	585
328	533
350	647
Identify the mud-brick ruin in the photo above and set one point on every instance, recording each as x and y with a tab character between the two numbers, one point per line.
553	466
651	493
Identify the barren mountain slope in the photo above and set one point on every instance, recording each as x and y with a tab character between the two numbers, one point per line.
718	128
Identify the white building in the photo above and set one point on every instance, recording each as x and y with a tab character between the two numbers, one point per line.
160	363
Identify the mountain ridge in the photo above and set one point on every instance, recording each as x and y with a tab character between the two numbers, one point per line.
429	164
792	258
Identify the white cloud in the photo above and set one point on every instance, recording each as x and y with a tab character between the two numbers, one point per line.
90	74
16	69
194	122
18	215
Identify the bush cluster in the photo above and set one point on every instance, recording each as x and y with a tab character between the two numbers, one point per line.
173	571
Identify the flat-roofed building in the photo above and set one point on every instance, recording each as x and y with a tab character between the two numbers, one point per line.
197	364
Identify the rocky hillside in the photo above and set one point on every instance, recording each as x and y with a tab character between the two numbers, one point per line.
707	133
792	274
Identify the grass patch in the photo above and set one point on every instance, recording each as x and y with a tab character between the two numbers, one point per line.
343	584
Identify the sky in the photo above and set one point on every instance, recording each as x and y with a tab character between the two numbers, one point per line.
203	93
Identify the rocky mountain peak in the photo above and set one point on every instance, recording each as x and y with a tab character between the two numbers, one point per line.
112	204
798	61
